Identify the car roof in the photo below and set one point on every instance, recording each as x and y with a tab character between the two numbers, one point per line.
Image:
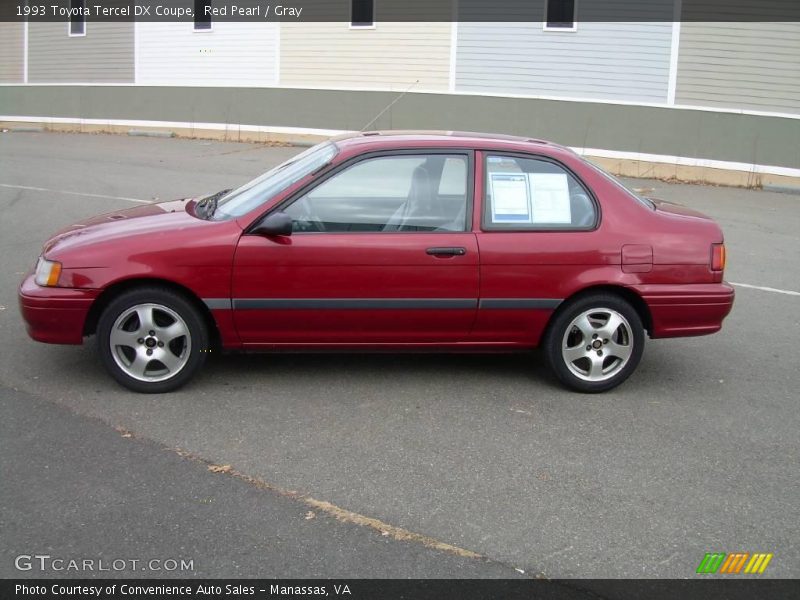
395	139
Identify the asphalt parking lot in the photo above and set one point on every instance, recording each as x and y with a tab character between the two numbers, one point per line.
699	451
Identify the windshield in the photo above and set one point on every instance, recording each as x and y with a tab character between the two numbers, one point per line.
641	199
251	195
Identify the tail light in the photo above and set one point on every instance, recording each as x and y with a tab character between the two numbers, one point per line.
718	257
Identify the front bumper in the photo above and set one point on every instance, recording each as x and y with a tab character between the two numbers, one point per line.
54	315
687	310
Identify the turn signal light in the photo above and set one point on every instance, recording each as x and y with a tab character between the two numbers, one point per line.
47	272
718	256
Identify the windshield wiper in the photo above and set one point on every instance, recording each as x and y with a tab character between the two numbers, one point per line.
209	204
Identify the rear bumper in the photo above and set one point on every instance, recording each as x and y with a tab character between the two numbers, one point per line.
687	310
54	315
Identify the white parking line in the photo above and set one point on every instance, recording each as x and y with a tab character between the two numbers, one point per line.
38	189
766	289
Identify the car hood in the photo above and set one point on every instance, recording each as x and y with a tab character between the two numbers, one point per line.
162	218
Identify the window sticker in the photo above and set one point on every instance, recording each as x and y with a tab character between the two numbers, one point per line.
550	192
511	200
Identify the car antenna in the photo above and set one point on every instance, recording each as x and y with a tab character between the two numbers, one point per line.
390	105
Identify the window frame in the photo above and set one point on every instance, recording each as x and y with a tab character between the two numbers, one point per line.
210	27
486	222
353	25
72	20
343	166
573	29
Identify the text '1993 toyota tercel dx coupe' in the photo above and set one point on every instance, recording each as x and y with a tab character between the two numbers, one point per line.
388	241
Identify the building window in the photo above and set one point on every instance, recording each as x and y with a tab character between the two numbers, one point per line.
362	13
77	19
202	18
560	15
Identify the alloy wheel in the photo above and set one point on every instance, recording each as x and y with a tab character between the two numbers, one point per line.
597	344
150	342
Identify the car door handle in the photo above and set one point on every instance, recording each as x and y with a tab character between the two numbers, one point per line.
446	251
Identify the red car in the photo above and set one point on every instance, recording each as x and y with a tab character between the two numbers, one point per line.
398	241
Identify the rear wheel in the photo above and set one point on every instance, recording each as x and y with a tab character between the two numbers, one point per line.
152	340
594	343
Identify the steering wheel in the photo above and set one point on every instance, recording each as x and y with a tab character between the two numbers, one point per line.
306	219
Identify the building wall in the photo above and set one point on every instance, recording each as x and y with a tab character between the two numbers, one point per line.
269	75
740	65
390	56
601	60
104	55
12	50
702	134
230	54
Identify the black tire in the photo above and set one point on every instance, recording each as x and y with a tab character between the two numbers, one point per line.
554	346
188	350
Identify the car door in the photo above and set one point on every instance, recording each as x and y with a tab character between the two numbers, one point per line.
381	252
538	238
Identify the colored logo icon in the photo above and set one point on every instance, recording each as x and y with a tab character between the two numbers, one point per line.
720	562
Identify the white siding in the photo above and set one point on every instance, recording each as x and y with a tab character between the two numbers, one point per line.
242	54
740	65
104	55
12	40
390	56
601	61
605	59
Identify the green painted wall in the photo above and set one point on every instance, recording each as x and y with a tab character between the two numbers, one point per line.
692	133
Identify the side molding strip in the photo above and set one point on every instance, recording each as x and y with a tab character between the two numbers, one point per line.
519	303
218	303
382	303
354	303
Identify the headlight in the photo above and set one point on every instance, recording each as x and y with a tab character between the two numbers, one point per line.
47	272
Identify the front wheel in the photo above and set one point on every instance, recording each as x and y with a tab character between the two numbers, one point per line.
152	340
594	343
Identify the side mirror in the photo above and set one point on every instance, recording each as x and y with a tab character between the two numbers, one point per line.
277	223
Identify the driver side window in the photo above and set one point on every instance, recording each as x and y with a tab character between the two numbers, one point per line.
388	194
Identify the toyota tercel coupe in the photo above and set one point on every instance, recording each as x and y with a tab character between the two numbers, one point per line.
388	241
